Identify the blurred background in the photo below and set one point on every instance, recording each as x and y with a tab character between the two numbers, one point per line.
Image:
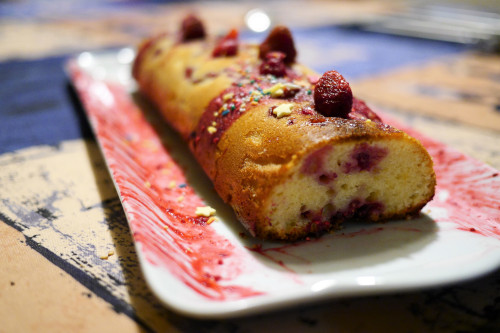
414	56
46	26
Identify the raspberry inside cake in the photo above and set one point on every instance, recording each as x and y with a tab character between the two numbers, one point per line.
372	180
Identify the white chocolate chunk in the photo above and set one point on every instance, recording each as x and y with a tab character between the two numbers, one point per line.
283	110
205	211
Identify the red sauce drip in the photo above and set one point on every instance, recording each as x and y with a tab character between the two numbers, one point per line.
170	233
227	46
267	253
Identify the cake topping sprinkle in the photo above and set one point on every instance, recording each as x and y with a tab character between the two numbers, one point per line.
211	220
228	96
282	89
205	211
283	110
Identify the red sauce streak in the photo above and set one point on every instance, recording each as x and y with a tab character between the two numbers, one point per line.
274	253
170	233
280	250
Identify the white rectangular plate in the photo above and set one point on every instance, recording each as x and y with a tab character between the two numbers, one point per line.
215	270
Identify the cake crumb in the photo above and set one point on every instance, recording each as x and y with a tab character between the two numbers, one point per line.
211	129
106	255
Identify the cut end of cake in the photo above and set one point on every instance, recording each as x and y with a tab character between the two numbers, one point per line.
372	180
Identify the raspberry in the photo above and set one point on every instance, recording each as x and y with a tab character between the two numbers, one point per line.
273	64
192	28
332	95
227	46
279	39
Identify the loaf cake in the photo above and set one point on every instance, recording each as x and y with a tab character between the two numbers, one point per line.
292	152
